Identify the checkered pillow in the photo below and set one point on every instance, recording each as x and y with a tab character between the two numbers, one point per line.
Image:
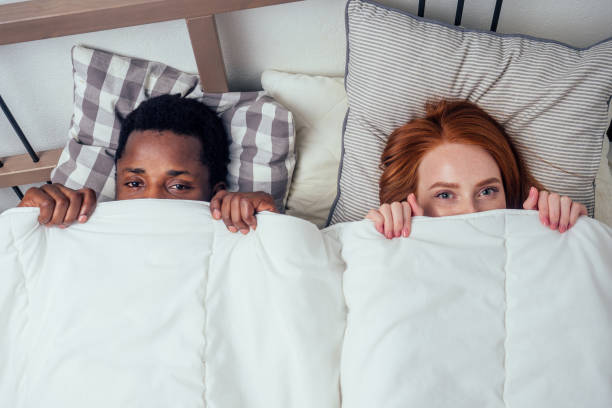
261	131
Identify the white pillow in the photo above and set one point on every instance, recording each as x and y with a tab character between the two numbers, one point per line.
318	104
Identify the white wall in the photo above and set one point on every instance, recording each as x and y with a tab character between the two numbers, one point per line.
308	36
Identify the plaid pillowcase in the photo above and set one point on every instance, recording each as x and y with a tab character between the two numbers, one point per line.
261	131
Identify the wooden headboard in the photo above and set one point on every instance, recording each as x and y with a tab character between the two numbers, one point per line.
40	19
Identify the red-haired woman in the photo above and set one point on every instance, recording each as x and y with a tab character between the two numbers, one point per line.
459	160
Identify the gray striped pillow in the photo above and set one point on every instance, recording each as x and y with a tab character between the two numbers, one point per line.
260	130
551	98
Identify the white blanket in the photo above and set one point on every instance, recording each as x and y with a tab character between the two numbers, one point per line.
151	303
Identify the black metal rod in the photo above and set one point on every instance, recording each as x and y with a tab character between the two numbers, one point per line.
421	8
496	13
609	132
459	12
18	130
17	191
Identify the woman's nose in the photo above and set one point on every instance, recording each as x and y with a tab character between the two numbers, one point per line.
467	207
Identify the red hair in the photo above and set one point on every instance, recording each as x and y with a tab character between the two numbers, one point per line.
450	122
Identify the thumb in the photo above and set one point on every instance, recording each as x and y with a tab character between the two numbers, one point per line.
414	206
531	203
265	205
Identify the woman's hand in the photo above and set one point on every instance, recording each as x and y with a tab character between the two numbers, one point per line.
556	212
393	220
238	209
60	205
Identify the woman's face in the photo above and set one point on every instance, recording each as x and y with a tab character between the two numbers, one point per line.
459	179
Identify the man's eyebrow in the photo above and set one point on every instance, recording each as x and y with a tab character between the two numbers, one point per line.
444	185
136	170
174	173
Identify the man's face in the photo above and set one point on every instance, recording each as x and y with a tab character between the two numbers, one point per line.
162	164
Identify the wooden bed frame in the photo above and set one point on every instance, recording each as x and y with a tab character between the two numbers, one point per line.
40	19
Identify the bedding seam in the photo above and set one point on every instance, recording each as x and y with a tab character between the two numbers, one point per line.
25	353
505	345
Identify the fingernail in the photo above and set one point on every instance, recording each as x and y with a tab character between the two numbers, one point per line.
216	213
562	228
554	226
545	220
244	231
82	218
62	226
232	229
405	233
389	236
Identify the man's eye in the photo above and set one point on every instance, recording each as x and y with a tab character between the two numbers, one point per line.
445	195
133	184
180	187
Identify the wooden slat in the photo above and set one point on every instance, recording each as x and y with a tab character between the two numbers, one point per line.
39	19
207	52
20	170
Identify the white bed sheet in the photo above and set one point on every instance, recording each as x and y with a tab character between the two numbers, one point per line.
152	303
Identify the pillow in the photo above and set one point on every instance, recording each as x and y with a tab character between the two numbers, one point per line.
260	131
551	98
319	105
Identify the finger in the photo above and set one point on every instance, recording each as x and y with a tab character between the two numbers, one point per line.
564	217
75	200
61	204
36	197
416	209
385	210
215	204
265	205
247	211
226	212
554	210
407	213
237	215
576	211
89	204
397	213
531	203
543	207
379	220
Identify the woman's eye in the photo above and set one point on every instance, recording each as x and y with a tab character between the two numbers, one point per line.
445	195
488	191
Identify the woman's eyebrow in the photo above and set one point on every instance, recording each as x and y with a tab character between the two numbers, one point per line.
489	181
444	185
174	173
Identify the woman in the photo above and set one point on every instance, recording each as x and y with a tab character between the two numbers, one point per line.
459	160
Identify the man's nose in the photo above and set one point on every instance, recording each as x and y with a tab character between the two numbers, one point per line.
155	192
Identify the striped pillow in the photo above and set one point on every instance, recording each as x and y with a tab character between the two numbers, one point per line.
260	131
551	98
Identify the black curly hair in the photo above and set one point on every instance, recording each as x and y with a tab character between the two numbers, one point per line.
183	116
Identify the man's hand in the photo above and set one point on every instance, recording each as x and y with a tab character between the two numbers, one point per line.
238	209
60	205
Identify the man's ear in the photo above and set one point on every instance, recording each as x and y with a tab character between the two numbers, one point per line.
218	187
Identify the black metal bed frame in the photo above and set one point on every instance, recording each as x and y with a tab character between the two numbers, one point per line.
421	13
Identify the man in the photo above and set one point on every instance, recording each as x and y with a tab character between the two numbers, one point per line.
169	148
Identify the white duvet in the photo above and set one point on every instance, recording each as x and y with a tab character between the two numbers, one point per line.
154	304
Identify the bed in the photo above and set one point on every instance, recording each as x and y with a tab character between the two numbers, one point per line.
485	309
